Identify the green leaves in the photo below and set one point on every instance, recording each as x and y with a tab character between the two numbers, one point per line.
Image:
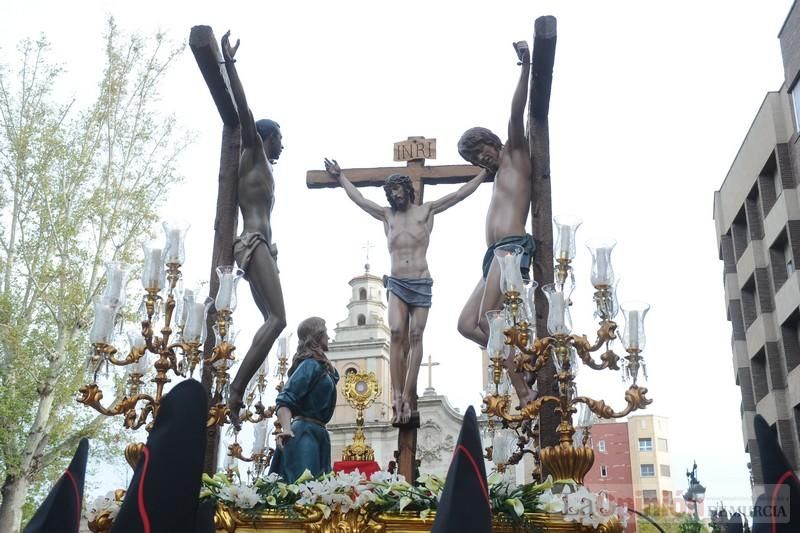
78	187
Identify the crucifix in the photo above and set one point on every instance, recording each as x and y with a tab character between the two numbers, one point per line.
414	151
430	364
408	222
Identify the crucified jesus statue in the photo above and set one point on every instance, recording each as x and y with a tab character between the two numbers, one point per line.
253	249
408	230
507	214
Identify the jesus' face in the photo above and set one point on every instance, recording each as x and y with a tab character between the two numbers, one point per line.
398	196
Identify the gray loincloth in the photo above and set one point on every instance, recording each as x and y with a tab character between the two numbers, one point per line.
528	249
414	292
244	246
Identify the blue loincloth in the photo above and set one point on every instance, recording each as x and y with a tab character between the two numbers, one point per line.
528	249
414	292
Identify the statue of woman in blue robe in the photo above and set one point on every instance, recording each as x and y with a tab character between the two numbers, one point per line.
305	405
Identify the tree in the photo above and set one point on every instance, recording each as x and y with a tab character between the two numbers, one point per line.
77	188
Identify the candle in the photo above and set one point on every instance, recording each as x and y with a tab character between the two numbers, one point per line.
633	330
223	301
174	245
565	243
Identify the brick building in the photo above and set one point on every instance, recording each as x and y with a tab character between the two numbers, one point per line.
757	217
632	462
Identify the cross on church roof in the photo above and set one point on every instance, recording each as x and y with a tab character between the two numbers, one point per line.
367	246
430	364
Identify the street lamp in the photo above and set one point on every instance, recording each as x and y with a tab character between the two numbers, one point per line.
696	492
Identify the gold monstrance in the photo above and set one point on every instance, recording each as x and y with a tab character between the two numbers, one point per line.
360	390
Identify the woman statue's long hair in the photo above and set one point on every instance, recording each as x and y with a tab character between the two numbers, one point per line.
309	343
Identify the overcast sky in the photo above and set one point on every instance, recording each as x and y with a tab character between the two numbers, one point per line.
650	103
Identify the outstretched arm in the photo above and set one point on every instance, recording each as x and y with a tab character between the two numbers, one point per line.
247	124
516	124
449	200
352	191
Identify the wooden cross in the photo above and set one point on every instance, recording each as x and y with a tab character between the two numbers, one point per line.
542	60
415	169
430	364
209	60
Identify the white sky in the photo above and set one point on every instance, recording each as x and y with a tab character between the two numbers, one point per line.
650	103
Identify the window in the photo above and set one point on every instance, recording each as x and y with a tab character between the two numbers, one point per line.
795	94
362	294
646	445
362	320
663	445
664	470
601	446
666	498
603	471
650	497
647	470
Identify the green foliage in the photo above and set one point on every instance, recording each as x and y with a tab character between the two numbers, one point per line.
77	188
670	520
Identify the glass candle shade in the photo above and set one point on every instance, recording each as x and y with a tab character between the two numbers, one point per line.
174	248
103	326
602	271
260	432
559	321
497	339
117	279
183	306
564	242
503	445
505	387
138	342
153	272
283	348
633	337
196	312
509	257
229	277
529	303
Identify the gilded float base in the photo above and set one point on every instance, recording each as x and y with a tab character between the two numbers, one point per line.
311	520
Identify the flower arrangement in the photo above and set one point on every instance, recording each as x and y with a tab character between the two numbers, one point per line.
382	493
103	510
578	504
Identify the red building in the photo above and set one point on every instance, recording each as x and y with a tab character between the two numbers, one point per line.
611	471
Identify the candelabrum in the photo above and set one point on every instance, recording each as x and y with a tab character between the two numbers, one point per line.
255	412
360	390
177	351
514	346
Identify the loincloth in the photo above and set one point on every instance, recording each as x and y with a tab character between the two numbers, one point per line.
414	292
528	249
245	245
